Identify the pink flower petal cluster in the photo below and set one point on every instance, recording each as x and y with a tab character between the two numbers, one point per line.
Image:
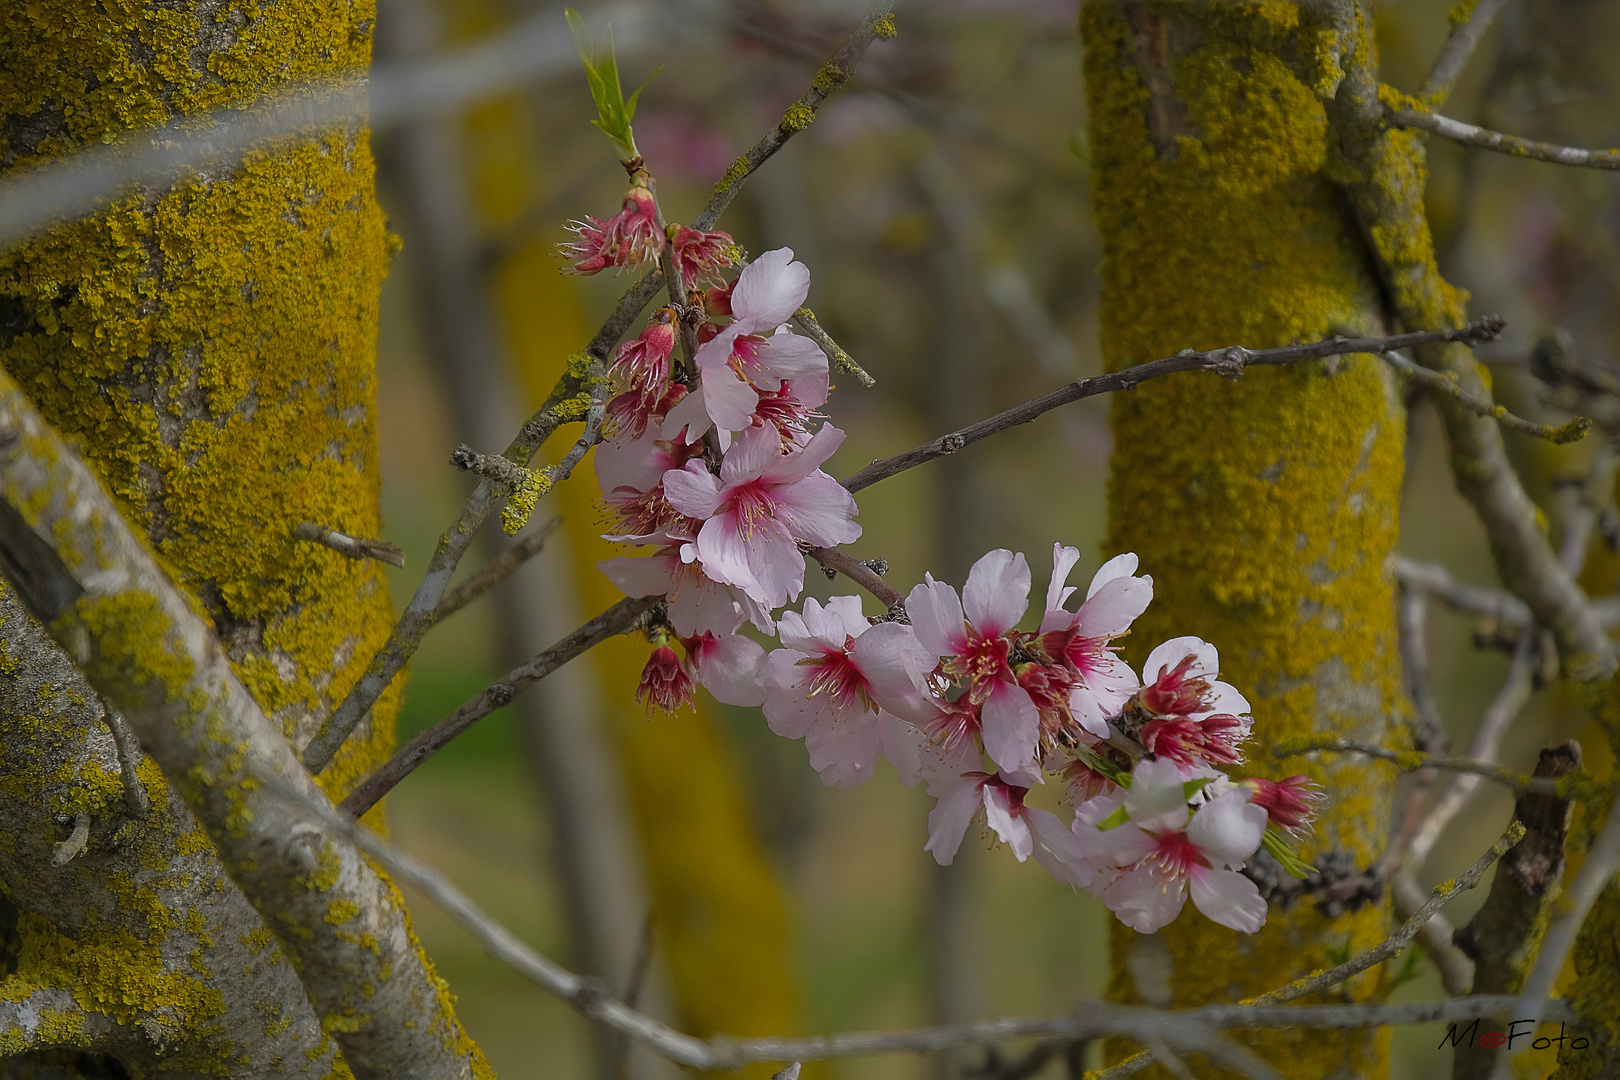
726	665
625	240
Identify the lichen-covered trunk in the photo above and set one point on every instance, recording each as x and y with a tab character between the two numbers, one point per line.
210	346
1265	509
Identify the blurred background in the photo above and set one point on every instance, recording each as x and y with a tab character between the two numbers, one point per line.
941	203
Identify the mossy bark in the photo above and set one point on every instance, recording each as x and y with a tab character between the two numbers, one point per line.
1266	509
210	346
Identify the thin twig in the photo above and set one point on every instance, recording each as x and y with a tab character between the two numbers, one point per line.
1386	949
1445	382
1412	760
1513	145
496	570
354	547
618	619
128	749
1493	725
836	356
1435	937
1436	581
860	573
1228	362
1465	37
491	466
878	22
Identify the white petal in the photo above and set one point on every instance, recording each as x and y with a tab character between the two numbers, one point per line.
997	592
1228	828
948	821
770	290
1010	726
936	617
693	490
1120	566
729	669
1014	832
1175	651
1110	610
1145	901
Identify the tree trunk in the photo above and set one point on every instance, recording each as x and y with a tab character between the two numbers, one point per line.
1266	509
210	347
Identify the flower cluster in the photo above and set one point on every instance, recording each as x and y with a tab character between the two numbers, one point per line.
715	474
632	237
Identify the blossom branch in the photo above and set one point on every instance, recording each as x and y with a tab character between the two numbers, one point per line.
1445	382
1228	362
1465	37
621	618
355	547
496	570
1513	145
572	399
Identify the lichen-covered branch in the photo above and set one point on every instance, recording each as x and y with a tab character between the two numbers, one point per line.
1382	171
496	570
92	582
48	1018
353	547
1442	382
1512	145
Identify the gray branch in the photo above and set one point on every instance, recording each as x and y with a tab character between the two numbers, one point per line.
1512	145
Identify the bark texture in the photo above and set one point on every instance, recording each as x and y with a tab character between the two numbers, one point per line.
210	347
1265	509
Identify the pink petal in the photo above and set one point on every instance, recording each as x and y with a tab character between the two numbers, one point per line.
788	711
1225	698
729	401
1063	562
1156	799
725	555
1144	901
693	490
801	463
715	353
1228	898
699	605
997	592
1011	726
775	562
847	611
893	663
936	617
1083	703
1059	850
652	576
904	746
1120	566
818	511
1110	610
769	291
729	669
844	752
690	414
786	355
1175	651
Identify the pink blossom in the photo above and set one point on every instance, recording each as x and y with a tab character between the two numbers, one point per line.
759	508
700	255
1163	851
631	475
739	362
971	638
829	683
1081	639
1290	803
695	604
1215	738
642	368
664	682
627	239
1025	829
1181	682
727	666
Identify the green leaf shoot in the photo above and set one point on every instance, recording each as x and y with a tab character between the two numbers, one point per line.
613	111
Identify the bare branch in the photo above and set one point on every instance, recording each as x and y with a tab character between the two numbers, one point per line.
1435	936
1229	362
355	547
1413	760
1465	37
860	573
1444	382
1513	145
878	22
496	570
619	619
145	650
129	756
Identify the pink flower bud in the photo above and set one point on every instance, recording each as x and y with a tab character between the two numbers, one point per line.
1290	804
1175	692
700	255
664	682
627	239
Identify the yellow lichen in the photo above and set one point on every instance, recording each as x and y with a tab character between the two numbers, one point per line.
797	117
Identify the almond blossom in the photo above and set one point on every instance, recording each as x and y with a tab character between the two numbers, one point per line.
760	507
1163	851
1027	830
627	239
969	635
833	683
641	368
700	255
1081	639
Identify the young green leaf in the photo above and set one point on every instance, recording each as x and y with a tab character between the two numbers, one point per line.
613	112
1286	856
